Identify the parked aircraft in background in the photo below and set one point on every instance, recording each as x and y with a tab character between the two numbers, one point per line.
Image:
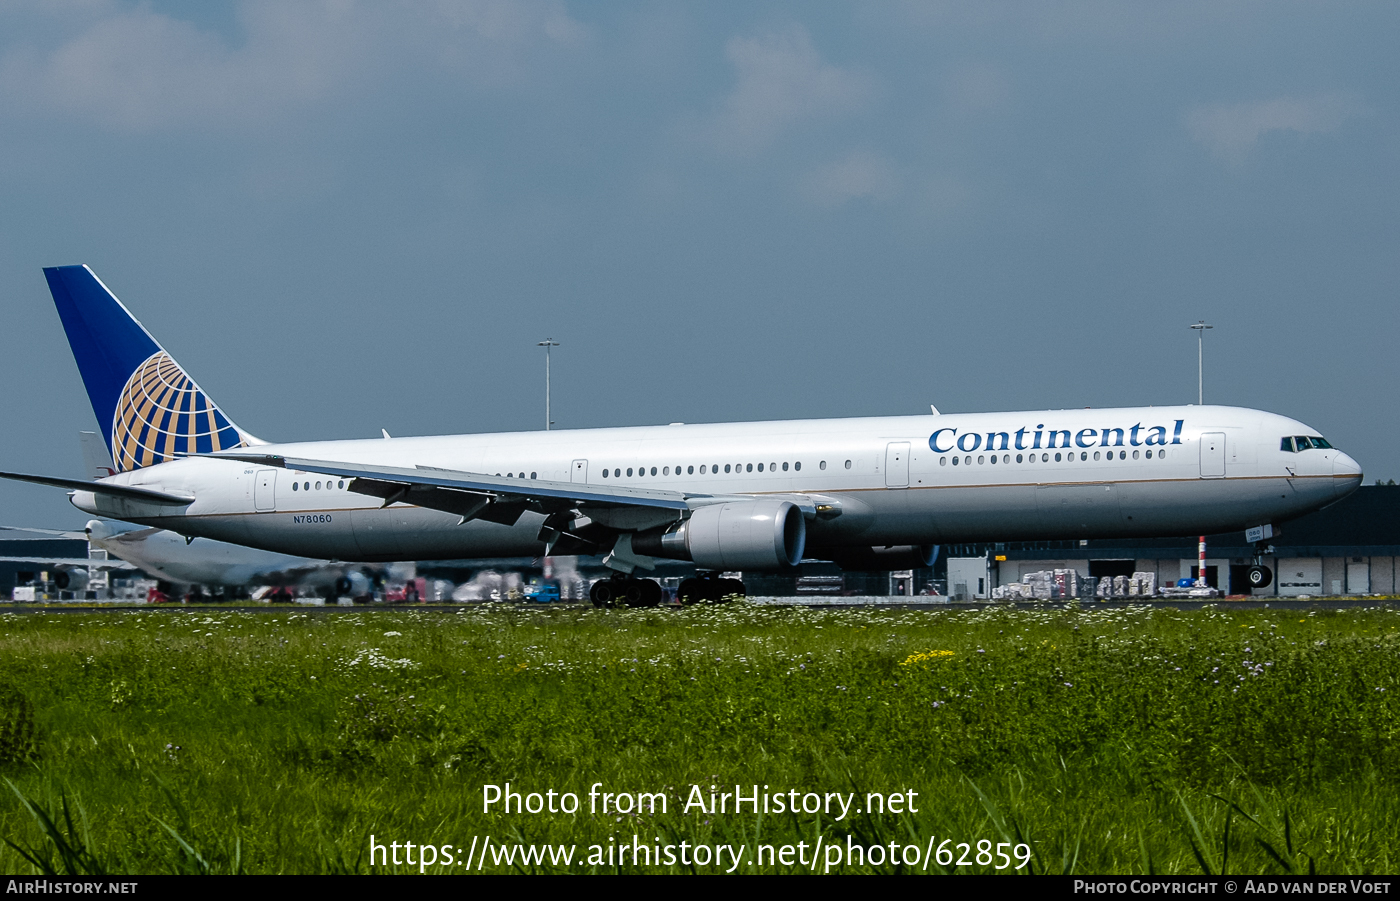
755	496
66	573
220	566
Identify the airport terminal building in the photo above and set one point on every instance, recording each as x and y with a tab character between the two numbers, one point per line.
1349	548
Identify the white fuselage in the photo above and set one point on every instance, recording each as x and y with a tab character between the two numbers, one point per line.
906	480
167	555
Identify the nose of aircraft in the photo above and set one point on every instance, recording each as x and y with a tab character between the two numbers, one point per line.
1346	474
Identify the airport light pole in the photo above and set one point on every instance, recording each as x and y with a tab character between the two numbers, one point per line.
1200	328
547	344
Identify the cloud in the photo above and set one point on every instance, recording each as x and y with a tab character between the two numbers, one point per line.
861	175
1230	131
134	69
781	80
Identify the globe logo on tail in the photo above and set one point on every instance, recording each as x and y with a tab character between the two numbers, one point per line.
162	415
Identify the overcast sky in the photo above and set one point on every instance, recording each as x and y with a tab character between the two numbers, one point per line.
342	217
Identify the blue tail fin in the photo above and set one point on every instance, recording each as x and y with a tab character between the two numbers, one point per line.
149	409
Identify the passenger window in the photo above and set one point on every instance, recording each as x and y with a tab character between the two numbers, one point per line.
295	485
784	467
994	459
967	461
797	466
629	470
532	475
318	486
605	473
760	467
340	484
750	467
702	469
980	460
955	461
822	465
942	461
726	467
653	470
666	470
1135	455
1018	458
848	464
1057	458
690	470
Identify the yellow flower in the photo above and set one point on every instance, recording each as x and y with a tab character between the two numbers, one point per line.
924	658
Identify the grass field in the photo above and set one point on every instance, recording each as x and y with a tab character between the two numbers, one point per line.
1122	741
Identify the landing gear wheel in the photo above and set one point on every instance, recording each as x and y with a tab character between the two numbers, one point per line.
603	593
634	593
709	589
1260	577
651	593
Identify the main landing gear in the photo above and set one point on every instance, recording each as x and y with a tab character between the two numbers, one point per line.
709	589
625	591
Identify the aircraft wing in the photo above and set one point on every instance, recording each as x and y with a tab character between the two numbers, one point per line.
82	562
492	498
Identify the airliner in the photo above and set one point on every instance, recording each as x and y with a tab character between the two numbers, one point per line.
218	564
867	493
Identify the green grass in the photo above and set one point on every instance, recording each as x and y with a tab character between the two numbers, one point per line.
1109	741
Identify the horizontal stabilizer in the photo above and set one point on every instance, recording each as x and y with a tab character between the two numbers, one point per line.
129	492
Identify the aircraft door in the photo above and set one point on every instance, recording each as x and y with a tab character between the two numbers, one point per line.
1213	455
263	490
579	472
897	464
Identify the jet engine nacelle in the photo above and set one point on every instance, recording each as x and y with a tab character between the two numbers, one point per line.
879	559
353	584
70	579
760	535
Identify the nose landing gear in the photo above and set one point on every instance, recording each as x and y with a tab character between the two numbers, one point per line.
1259	575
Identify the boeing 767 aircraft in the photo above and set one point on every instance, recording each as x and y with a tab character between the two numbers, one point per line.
753	496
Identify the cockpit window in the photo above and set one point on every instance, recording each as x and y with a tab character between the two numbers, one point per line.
1303	442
